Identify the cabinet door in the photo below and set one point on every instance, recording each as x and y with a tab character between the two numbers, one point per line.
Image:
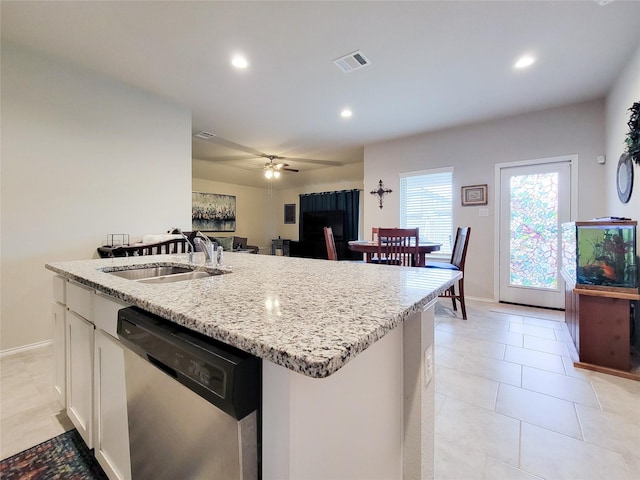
59	367
111	428
79	339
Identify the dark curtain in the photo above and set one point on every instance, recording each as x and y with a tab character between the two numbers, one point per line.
347	200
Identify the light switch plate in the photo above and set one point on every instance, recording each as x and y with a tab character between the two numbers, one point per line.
483	212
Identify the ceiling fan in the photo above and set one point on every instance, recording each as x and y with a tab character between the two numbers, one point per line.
272	170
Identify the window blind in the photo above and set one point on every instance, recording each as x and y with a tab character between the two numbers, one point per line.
426	202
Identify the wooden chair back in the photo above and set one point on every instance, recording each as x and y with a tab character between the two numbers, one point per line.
332	254
374	234
398	246
459	253
458	257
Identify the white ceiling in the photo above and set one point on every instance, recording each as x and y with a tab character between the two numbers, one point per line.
433	65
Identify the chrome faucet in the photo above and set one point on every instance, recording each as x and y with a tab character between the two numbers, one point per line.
207	245
191	249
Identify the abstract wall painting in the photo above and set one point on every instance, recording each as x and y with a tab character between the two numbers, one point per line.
212	212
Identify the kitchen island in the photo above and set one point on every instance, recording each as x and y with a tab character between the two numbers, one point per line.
344	345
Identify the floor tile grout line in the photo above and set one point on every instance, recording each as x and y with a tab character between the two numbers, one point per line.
520	445
575	409
595	392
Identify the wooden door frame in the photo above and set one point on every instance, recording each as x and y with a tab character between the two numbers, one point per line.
573	208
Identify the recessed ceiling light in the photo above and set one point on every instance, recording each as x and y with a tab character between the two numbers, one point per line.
239	62
346	113
524	61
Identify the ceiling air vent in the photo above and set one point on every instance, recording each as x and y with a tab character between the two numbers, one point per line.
205	135
352	61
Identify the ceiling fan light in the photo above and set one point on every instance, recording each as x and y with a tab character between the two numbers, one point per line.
276	174
239	62
268	173
525	61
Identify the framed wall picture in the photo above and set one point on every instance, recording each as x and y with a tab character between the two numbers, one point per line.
474	195
290	213
213	212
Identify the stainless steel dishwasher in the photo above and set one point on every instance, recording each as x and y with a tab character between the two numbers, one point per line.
193	403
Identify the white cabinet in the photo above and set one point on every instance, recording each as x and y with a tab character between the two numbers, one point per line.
80	299
59	367
111	429
79	359
89	372
58	309
105	313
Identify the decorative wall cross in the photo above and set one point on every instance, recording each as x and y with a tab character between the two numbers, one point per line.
381	192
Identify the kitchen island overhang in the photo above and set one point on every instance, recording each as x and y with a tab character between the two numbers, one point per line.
310	316
347	353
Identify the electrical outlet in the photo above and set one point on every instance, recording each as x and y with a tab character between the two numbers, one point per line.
428	365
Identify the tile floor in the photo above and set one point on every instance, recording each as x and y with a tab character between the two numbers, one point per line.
509	403
29	411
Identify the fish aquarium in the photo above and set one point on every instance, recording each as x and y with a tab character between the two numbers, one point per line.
601	254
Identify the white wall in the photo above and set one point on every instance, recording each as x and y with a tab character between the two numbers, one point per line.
256	211
473	151
625	93
82	156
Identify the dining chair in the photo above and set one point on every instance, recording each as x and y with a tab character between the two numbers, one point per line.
397	246
458	257
374	234
331	244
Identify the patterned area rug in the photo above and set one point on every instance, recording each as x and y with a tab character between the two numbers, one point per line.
63	457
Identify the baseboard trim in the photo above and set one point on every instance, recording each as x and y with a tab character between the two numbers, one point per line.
24	348
479	299
610	371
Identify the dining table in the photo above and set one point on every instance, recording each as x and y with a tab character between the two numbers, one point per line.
369	248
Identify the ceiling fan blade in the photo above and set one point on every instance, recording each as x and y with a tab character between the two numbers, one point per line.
295	170
212	137
229	158
311	160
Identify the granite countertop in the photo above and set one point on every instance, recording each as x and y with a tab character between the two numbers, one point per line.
310	316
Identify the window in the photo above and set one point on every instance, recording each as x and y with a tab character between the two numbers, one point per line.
426	202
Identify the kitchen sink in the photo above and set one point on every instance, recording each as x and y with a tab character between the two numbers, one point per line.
178	277
163	274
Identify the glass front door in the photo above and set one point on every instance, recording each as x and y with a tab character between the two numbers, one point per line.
535	201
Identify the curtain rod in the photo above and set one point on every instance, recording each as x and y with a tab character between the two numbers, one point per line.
335	191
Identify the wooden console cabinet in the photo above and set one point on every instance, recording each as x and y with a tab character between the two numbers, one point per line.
599	324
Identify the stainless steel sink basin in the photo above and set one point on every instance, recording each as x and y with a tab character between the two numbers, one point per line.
149	272
177	277
164	274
